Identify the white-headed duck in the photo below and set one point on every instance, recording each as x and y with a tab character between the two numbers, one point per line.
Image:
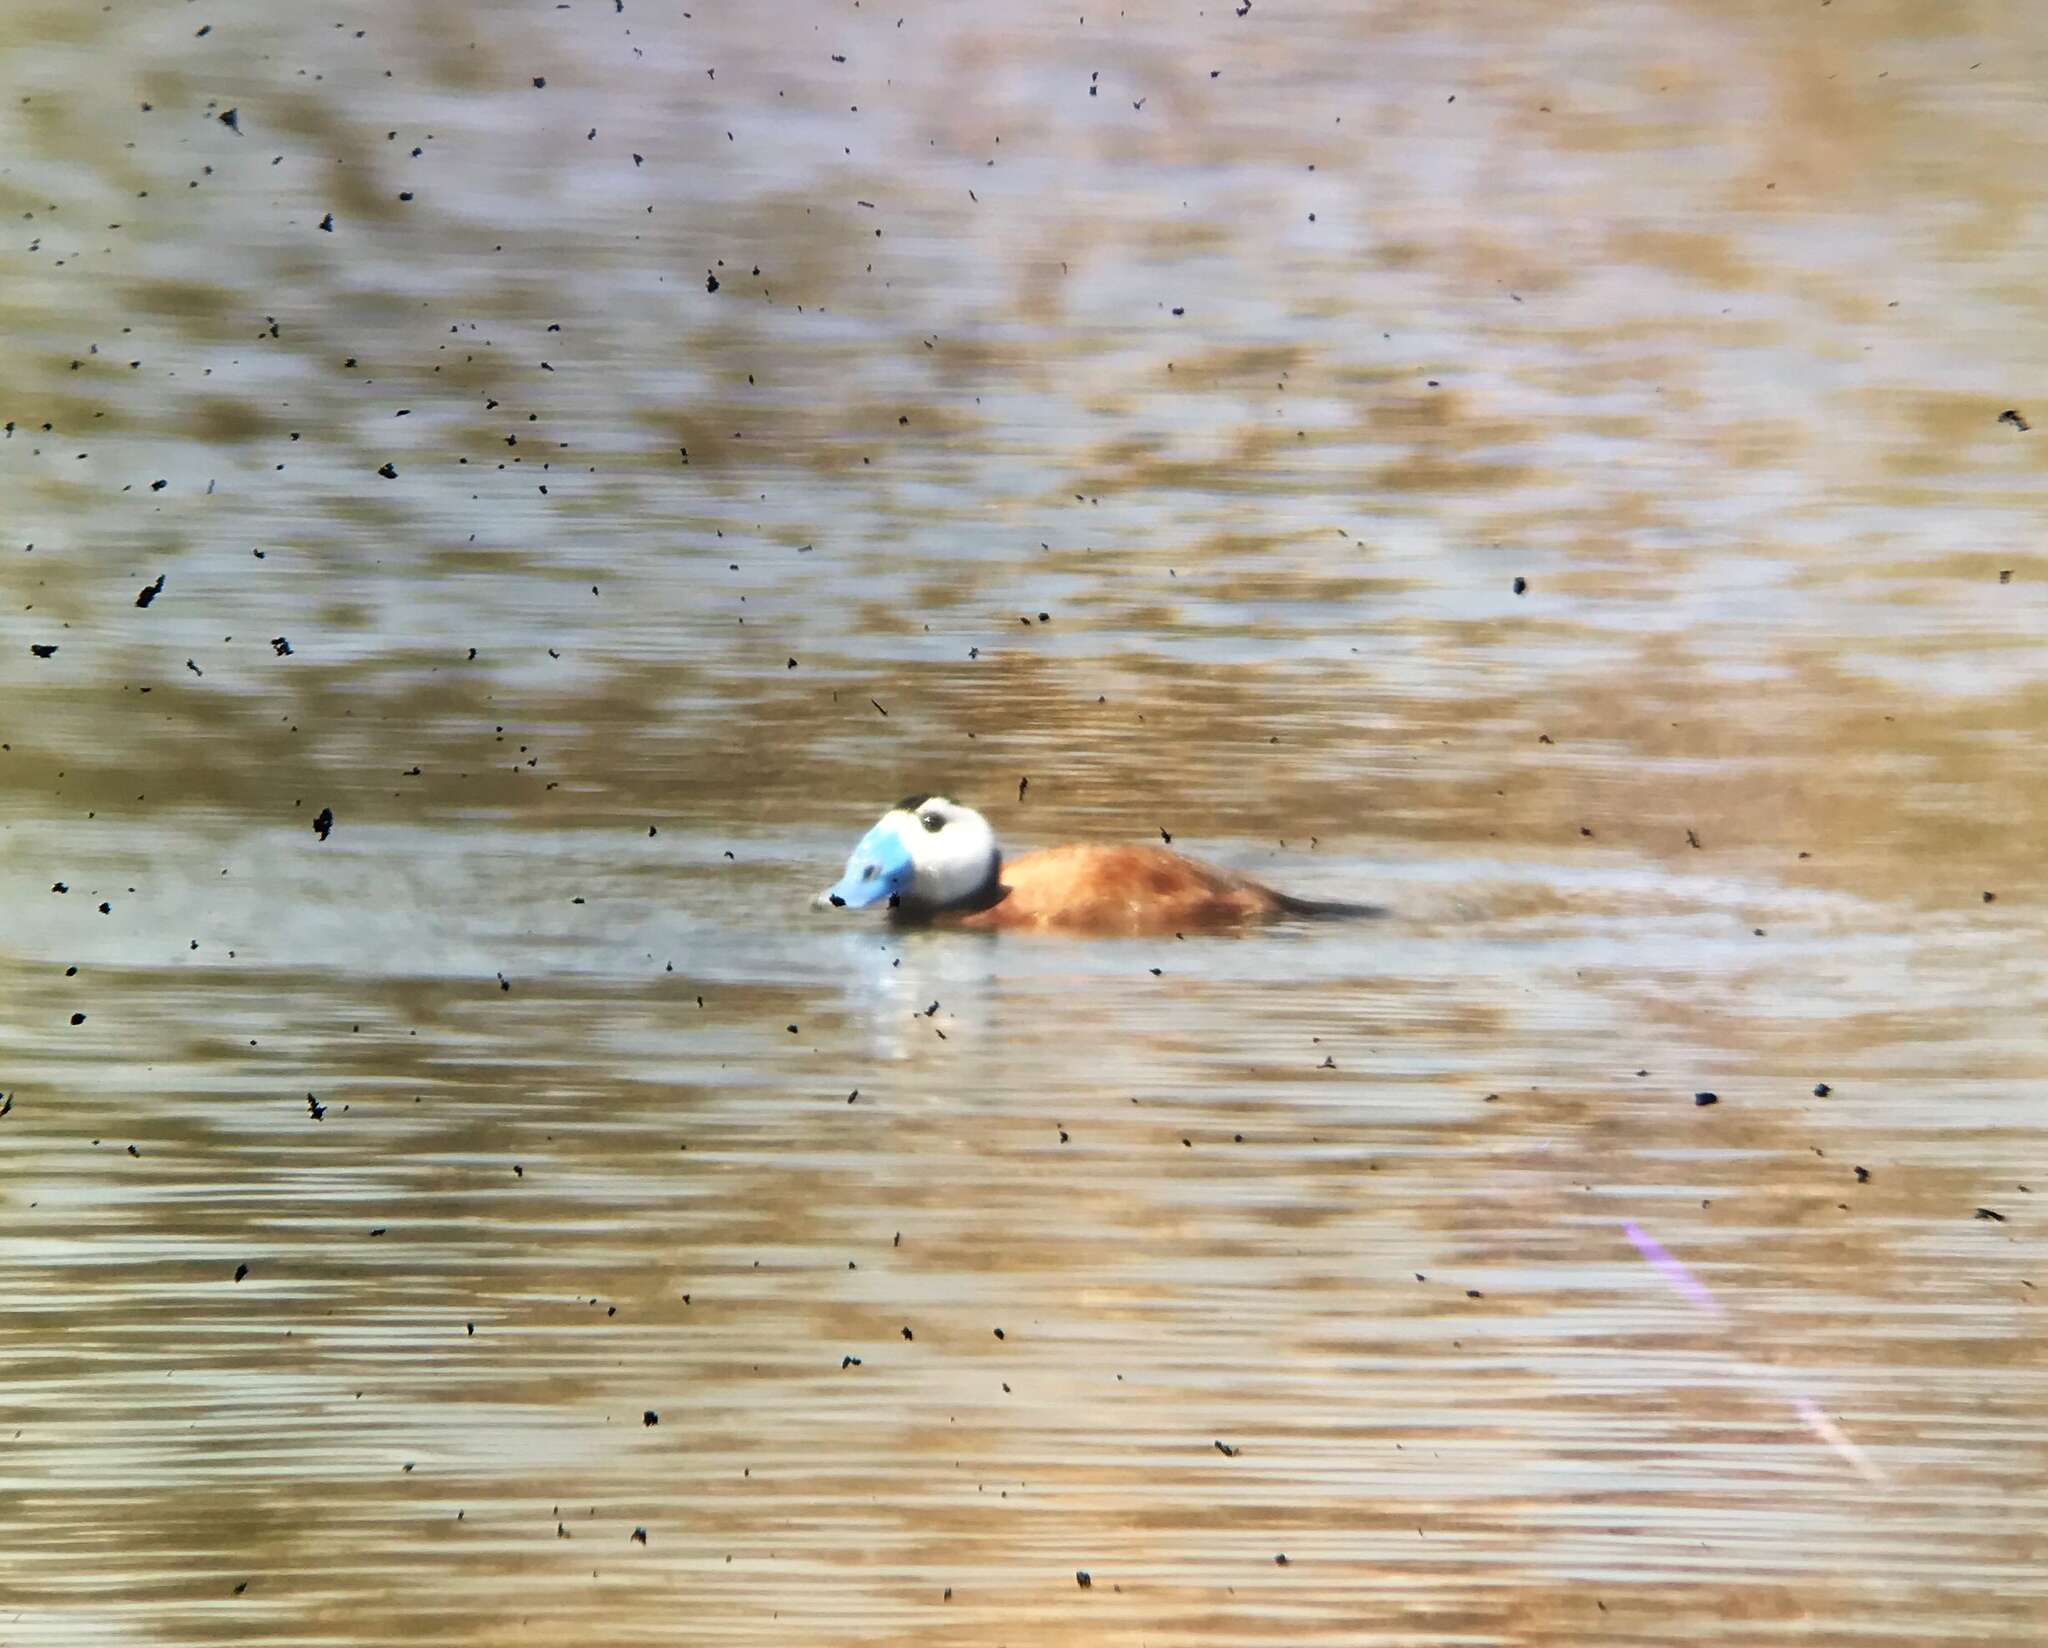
936	863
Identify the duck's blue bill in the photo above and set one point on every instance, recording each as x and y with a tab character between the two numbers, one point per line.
878	870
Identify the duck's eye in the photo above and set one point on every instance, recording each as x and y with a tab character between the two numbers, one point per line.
868	874
934	822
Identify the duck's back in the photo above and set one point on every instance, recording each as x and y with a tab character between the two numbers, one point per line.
1120	891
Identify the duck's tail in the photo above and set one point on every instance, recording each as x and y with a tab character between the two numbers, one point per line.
1326	909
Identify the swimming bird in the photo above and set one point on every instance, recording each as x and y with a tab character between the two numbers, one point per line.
935	863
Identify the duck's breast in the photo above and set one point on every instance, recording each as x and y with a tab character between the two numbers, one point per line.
1121	890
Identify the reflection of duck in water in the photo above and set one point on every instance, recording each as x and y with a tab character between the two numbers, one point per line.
936	863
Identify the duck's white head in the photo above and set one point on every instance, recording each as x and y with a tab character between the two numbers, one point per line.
926	853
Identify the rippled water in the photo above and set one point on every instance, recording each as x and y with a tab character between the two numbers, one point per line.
1158	406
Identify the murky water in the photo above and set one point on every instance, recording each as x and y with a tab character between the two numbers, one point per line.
1158	406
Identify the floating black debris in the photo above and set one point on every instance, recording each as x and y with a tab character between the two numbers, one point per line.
1989	1213
324	823
1083	1579
650	1417
1521	586
637	1537
2012	417
327	223
43	651
150	591
232	119
388	471
1706	1098
1228	1452
314	1107
280	646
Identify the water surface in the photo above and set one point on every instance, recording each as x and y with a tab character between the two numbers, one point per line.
1129	423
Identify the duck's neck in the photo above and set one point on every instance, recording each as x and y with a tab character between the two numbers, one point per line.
989	891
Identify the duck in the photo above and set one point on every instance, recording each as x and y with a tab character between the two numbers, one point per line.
935	863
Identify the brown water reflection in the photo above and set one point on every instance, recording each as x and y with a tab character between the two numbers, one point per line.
1175	445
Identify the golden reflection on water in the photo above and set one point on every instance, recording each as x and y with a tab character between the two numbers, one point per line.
1160	409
